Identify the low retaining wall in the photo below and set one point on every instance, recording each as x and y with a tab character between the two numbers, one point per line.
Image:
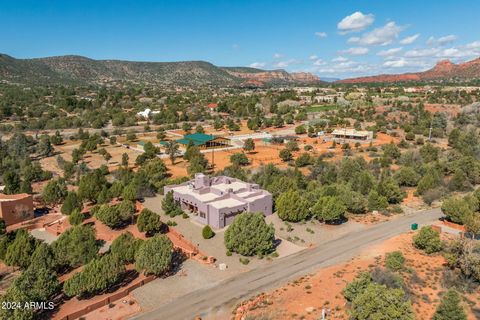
454	225
106	301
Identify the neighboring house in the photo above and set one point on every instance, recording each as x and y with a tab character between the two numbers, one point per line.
16	208
204	141
147	113
217	200
341	134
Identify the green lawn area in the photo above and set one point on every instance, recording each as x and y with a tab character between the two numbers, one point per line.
319	108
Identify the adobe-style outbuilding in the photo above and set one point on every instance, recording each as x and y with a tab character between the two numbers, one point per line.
16	208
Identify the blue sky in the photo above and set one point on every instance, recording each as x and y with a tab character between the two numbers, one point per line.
329	38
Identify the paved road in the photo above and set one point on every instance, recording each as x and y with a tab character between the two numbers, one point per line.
261	279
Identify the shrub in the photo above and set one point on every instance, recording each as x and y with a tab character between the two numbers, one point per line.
149	222
125	246
98	275
394	260
329	209
376	201
291	206
304	159
249	235
19	252
75	247
154	255
432	195
207	232
285	155
239	159
357	286
456	209
76	217
427	240
71	203
170	206
450	307
109	216
379	302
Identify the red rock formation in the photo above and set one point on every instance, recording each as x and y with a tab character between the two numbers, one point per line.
443	70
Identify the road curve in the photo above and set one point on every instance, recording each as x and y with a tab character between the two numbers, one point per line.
261	279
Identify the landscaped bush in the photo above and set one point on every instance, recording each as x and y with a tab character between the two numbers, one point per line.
207	232
427	240
250	235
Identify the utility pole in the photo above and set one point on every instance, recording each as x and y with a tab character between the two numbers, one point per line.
430	131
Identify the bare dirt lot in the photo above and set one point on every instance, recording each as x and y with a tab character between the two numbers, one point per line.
305	297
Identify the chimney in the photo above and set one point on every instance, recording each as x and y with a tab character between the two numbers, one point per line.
201	181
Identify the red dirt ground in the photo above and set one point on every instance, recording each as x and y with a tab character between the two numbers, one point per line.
323	289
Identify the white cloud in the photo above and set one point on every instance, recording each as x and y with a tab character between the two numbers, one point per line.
319	62
442	40
313	57
321	34
399	63
353	39
404	63
356	51
456	53
277	55
410	40
347	67
257	65
421	53
473	45
340	59
389	52
355	22
380	36
284	64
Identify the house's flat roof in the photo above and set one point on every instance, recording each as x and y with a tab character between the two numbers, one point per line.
350	132
260	196
226	203
209	196
236	185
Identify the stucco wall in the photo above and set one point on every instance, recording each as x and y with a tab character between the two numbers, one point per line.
16	210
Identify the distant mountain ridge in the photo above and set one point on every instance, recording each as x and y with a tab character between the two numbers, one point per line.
443	70
73	69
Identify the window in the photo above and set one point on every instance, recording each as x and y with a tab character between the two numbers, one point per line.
203	215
